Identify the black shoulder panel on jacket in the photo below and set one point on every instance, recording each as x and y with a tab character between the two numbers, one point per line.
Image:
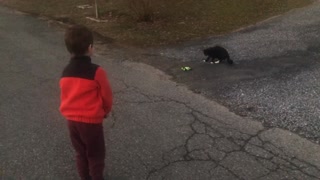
80	67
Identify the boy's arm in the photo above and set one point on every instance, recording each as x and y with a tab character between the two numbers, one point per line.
105	89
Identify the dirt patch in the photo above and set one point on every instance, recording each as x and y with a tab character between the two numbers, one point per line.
174	22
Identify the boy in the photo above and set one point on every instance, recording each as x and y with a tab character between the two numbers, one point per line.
86	99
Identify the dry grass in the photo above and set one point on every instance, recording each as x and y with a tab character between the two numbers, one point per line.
173	21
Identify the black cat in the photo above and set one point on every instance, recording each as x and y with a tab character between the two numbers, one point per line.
217	52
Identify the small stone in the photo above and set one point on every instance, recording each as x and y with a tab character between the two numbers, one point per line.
257	151
199	127
200	141
199	155
226	145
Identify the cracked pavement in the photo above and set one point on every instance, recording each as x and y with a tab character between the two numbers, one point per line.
158	129
173	133
275	79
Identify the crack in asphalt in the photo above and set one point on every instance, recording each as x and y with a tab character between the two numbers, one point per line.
213	140
275	155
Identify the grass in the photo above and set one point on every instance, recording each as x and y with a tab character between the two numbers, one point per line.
174	21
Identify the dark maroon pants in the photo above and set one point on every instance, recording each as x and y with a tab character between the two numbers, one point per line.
88	142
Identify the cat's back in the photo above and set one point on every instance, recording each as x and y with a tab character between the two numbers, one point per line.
220	52
216	52
219	49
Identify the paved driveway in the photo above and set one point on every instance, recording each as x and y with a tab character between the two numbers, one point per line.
276	76
158	129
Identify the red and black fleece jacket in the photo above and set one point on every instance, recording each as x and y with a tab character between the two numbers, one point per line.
86	94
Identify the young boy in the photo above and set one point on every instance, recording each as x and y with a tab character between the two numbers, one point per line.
86	99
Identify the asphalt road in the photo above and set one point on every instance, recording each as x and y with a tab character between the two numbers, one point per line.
275	78
158	129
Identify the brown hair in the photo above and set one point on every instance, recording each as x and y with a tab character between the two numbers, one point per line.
78	38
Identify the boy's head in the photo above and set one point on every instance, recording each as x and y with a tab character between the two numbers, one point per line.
79	40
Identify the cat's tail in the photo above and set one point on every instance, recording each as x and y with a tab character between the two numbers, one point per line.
230	61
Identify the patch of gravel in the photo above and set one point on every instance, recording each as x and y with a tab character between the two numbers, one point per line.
288	101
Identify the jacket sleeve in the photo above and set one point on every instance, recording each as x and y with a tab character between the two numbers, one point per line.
105	89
